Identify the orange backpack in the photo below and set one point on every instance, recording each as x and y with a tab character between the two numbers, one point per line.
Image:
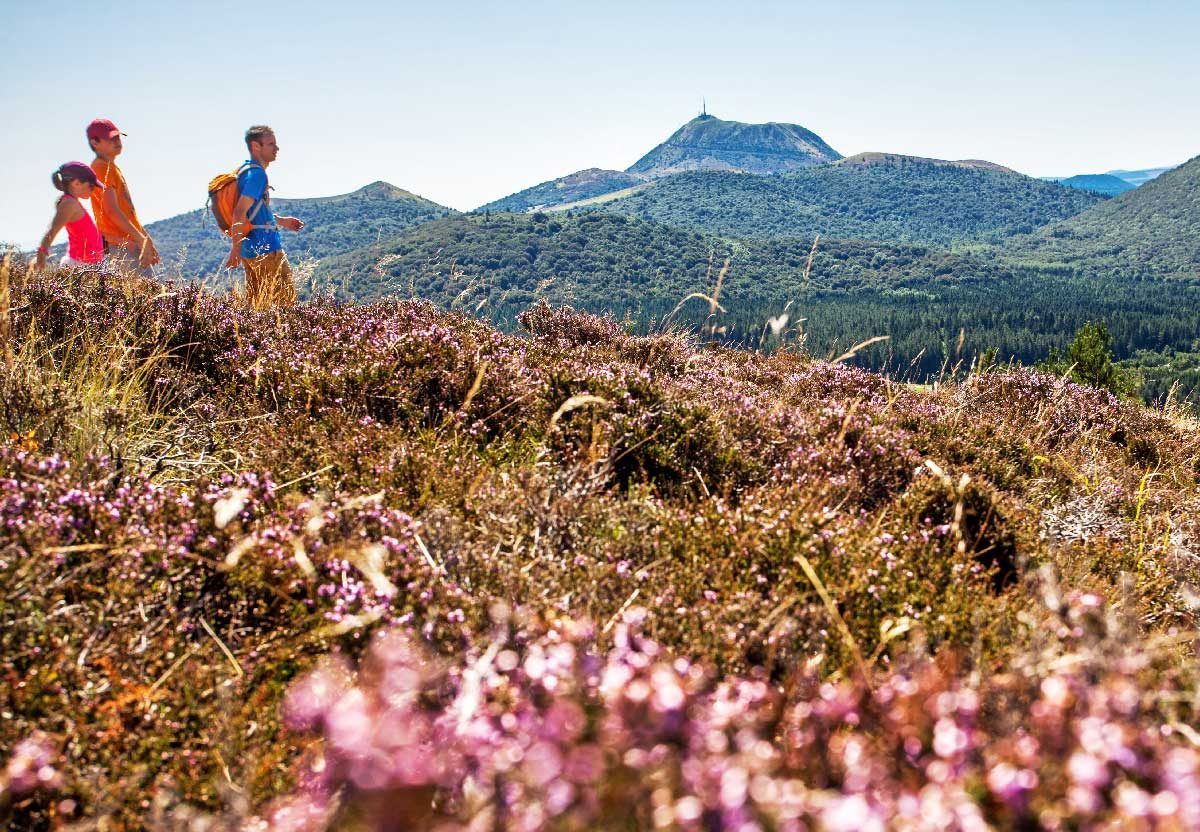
223	196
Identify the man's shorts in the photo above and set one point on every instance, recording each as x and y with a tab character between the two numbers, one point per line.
269	280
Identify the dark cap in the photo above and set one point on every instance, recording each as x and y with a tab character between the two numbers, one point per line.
102	128
79	171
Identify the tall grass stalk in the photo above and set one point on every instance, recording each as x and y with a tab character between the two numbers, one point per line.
106	383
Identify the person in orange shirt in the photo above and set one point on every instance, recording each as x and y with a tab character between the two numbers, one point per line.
127	244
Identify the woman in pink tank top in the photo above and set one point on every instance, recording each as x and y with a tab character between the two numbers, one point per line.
84	244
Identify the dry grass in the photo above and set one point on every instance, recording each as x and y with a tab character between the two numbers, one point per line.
210	498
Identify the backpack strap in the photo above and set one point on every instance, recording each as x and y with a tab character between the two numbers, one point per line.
259	202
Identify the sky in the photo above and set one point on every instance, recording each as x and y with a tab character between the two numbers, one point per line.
465	102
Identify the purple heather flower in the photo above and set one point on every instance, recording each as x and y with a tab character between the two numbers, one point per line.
31	766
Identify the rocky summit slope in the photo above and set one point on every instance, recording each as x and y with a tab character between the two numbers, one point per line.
704	143
709	143
583	184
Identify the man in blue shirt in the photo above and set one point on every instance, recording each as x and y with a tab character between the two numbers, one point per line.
255	228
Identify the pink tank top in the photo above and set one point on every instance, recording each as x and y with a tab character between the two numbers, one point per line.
84	243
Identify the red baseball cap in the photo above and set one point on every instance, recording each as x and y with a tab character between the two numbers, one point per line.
102	128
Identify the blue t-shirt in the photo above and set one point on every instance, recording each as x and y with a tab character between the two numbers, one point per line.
252	182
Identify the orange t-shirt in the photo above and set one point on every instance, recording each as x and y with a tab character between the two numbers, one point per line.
110	176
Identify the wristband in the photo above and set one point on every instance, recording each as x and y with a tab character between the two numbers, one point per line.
43	250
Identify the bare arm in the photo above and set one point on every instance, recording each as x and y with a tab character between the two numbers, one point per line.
68	210
113	209
147	253
290	223
239	229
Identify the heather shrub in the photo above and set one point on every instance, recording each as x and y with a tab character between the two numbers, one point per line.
199	504
546	729
1058	412
568	327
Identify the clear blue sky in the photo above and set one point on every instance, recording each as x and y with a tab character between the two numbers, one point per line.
466	102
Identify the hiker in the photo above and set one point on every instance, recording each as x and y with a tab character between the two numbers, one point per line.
126	243
85	246
255	229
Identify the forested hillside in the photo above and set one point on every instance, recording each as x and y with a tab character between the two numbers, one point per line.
597	259
1150	231
191	245
909	200
921	297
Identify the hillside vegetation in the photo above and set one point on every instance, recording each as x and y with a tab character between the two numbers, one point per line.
191	245
925	299
379	567
904	200
1152	230
1020	298
611	261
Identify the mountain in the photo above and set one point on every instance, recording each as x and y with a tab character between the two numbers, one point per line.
1138	177
584	184
1153	230
191	245
704	143
1134	178
1099	183
871	197
709	143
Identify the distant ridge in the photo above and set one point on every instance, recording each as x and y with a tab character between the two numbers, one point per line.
573	187
1136	178
706	143
899	160
1139	177
709	143
376	190
191	244
1100	183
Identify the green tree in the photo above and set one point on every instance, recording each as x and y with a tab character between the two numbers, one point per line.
1089	359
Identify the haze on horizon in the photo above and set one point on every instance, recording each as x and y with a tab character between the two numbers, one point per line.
467	107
